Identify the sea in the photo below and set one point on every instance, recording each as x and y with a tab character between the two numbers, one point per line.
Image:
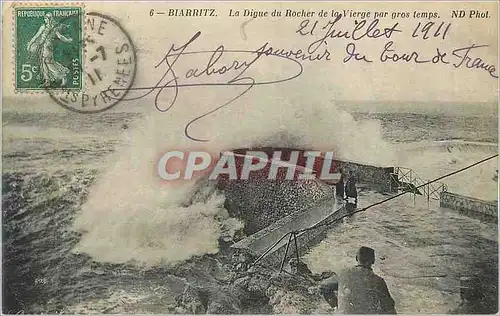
84	231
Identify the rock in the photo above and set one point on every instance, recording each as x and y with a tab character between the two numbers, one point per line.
260	291
191	300
227	283
292	302
220	308
258	283
224	304
328	288
181	310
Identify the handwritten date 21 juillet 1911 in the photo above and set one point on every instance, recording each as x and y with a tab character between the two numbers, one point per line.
467	56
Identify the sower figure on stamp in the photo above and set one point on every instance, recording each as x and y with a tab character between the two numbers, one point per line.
361	291
42	46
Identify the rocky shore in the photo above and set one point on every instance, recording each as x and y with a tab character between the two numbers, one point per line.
38	211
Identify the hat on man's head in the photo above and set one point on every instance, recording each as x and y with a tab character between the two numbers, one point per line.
366	255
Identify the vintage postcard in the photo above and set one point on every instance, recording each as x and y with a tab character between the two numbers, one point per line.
251	157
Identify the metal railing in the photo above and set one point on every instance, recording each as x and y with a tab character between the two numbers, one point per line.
431	190
408	180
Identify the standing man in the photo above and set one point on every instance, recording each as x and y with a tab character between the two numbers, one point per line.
361	291
350	189
339	188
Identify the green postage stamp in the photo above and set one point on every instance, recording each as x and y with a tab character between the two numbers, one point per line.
48	48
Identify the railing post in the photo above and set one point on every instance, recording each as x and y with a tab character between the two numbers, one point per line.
296	246
286	252
428	197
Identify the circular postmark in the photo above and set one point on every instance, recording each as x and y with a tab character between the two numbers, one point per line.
107	72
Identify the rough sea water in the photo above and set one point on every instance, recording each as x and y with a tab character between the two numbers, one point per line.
87	227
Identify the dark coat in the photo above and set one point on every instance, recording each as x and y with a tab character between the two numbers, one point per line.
350	188
361	291
339	188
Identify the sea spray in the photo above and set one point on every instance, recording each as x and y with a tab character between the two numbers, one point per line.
131	216
425	158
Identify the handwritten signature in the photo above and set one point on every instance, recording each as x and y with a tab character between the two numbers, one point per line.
213	74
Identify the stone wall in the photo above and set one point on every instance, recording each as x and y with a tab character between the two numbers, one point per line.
259	242
260	203
305	240
475	208
378	177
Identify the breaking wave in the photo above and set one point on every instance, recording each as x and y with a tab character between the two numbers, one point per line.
130	216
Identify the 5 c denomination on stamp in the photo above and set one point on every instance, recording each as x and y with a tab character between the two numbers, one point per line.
48	49
108	70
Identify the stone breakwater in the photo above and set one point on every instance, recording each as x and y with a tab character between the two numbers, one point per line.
261	202
472	207
379	178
